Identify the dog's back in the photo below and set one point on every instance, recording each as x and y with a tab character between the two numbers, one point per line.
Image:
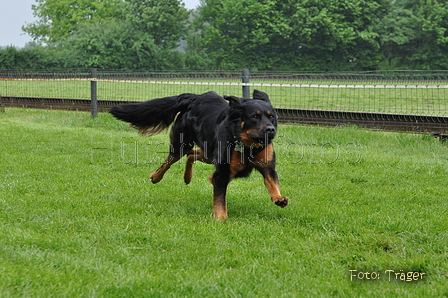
202	119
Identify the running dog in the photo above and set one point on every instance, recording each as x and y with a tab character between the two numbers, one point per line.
233	134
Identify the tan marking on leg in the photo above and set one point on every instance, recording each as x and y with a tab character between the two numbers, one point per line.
272	186
219	201
264	163
158	174
192	157
219	208
274	190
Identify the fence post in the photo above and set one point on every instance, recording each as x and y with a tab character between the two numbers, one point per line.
246	79
93	93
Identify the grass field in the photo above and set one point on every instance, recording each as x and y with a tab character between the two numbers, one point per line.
403	100
79	217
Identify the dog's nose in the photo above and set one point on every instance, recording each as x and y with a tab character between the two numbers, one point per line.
270	130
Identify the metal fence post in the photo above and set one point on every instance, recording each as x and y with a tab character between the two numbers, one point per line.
93	93
246	79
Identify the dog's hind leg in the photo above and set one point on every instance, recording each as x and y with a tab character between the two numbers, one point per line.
192	157
158	174
176	152
179	146
220	179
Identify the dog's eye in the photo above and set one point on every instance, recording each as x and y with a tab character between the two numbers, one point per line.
256	116
271	116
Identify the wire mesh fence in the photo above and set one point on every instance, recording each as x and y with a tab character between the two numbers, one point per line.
395	92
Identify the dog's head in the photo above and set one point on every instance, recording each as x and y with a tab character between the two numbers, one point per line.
254	120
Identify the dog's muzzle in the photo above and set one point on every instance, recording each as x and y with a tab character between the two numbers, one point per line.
266	136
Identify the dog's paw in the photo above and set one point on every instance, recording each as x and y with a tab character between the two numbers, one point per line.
187	177
155	177
281	201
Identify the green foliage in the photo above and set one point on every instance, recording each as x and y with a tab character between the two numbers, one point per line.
38	57
163	20
305	35
113	34
324	35
58	19
117	45
79	217
415	35
301	34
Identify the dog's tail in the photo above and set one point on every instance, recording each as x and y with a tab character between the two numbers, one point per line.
152	116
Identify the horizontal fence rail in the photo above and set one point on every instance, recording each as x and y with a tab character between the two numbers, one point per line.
407	100
396	86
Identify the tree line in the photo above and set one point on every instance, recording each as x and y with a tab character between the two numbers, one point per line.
280	35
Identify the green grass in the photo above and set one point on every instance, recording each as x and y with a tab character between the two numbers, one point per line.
79	217
381	100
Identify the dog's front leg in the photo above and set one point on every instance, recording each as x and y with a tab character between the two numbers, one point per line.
264	162
220	180
271	183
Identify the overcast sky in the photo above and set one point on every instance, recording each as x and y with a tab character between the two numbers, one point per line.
16	13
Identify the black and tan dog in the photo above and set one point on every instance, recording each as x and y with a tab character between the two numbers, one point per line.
235	136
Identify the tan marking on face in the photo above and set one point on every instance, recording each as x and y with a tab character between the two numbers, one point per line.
242	125
247	140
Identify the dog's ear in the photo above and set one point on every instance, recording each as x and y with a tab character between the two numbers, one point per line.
235	111
234	102
261	96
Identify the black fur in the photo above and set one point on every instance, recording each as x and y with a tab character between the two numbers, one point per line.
151	117
235	136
